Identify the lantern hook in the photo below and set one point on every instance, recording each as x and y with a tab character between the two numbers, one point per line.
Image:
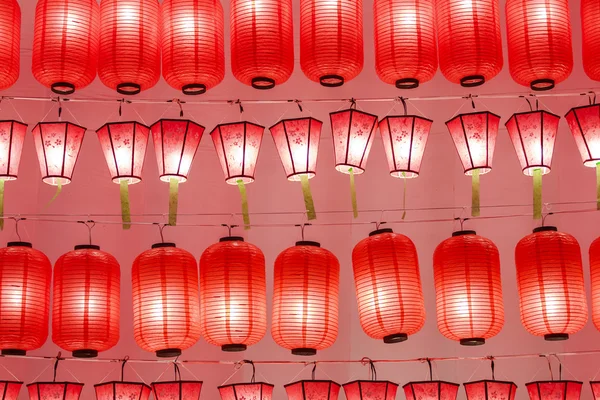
544	217
90	224
177	370
121	102
559	367
179	103
302	226
57	99
472	98
403	101
314	371
491	358
373	371
17	220
253	379
537	103
430	368
229	228
58	358
549	365
125	359
592	97
378	224
461	221
160	230
352	103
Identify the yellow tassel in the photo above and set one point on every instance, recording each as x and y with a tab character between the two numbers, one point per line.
309	205
537	193
353	193
475	208
125	207
244	196
173	200
58	190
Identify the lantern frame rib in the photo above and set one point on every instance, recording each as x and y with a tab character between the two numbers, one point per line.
8	176
563	381
234	385
438	382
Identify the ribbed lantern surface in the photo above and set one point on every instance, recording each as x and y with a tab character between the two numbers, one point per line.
233	294
353	133
370	390
431	390
193	55
331	40
65	44
166	313
54	390
313	390
469	40
404	139
305	298
550	282
12	136
246	391
86	301
262	42
490	390
10	44
177	390
122	391
468	288
129	59
388	286
405	47
540	52
584	123
57	145
594	254
25	275
175	143
9	390
550	390
590	12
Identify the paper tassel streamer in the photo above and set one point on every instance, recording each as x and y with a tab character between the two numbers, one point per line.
308	199
244	197
353	193
475	209
58	190
173	200
598	186
1	204
125	208
537	193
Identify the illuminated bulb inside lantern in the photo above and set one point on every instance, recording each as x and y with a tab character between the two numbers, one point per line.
128	14
407	20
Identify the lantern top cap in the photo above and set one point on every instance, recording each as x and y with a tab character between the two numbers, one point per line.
122	123
568	112
557	381
171	382
308	243
295	119
3	381
315	381
545	229
245	384
532	112
117	382
380	231
489	380
463	233
231	239
353	110
236	123
164	244
438	382
57	383
20	123
188	121
87	247
404	116
59	122
472	113
369	381
19	244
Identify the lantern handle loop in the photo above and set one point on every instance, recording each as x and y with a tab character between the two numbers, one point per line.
537	103
58	358
378	224
177	370
302	226
314	371
559	367
352	103
373	371
160	230
549	365
461	221
59	107
471	97
17	220
125	359
179	103
298	103
544	217
90	224
121	102
253	379
592	97
403	101
430	368
229	228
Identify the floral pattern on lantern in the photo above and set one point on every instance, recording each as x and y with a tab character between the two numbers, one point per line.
353	134
9	390
431	390
404	138
247	391
12	136
490	390
312	390
551	390
584	123
54	390
370	390
10	43
122	391
174	390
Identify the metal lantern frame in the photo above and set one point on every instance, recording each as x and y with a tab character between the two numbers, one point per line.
345	165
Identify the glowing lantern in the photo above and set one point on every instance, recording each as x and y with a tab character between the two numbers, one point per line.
549	390
388	286
405	48
129	60
86	301
595	389
404	138
533	135
124	145
353	134
12	135
550	281
25	275
468	288
594	254
262	42
370	390
118	390
312	390
431	390
65	44
331	40
540	52
237	145
166	313
490	390
175	143
306	281
233	294
469	40
54	390
177	389
297	142
241	391
474	136
590	12
10	44
9	390
193	58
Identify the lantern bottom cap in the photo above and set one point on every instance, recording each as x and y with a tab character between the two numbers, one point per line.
193	89
542	84
331	80
85	353
345	169
407	83
395	338
168	353
404	174
13	352
128	88
555	337
262	83
472	80
168	177
64	88
472	341
56	180
234	347
304	352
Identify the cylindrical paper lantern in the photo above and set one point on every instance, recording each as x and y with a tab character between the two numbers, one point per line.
166	313
233	294
405	48
57	145
305	298
86	301
370	390
9	390
25	275
353	132
469	40
431	390
388	286
313	389
193	55
550	390
65	44
173	390
262	42
490	390
584	123
12	136
404	138
540	52
129	60
10	44
594	254
550	282
331	40
468	288
122	390
244	391
54	390
590	12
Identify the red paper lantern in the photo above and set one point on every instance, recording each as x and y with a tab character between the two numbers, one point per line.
584	123
370	390
490	390
184	390
594	253
86	301
233	294
193	55
595	389
353	134
549	390
243	391
431	390
129	60
237	145
57	145
404	139
122	390
9	390
313	390
550	281
10	44
540	52
590	12
124	145
166	313
12	135
262	42
54	390
331	40
65	44
25	275
468	288
305	298
388	286
405	48
469	40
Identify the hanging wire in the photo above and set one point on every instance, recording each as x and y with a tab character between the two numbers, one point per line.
161	227
90	224
302	226
559	367
492	367
179	103
592	97
472	98
403	100
56	366
430	368
17	220
313	374
125	359
229	228
253	379
177	371
462	222
352	103
544	217
549	365
372	370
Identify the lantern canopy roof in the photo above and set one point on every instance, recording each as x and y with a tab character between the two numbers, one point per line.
550	390
488	389
168	390
431	390
245	391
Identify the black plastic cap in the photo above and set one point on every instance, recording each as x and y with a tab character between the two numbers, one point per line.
556	337
379	231
395	338
231	239
234	347
304	352
545	229
19	244
472	342
13	352
462	233
85	353
166	353
87	246
159	245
